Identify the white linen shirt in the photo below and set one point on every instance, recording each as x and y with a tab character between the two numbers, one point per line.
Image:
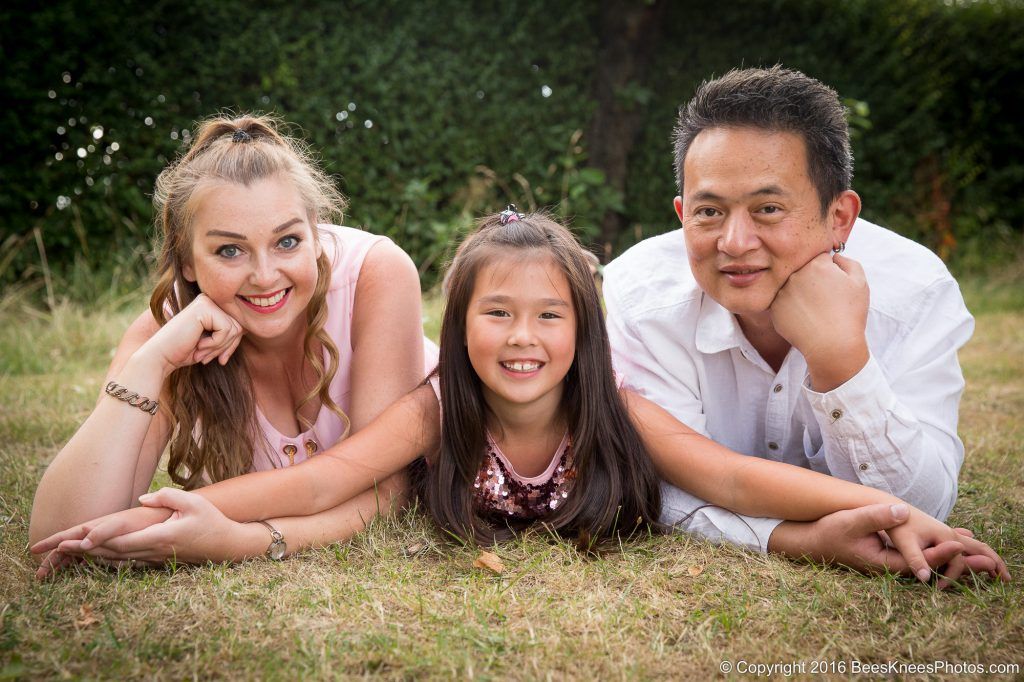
892	426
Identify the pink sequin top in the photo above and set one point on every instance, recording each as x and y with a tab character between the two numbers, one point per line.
500	491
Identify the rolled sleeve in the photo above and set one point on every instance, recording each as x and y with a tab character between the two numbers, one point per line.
894	429
853	419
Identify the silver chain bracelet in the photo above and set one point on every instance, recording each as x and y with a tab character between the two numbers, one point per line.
118	391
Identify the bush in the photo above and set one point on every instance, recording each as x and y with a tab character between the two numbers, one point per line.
429	115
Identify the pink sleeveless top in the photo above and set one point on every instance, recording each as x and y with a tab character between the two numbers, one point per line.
500	491
346	248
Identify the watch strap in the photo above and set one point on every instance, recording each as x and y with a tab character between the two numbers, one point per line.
276	549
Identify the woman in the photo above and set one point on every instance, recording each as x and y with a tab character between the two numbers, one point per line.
269	337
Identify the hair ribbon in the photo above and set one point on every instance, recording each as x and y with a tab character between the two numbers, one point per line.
510	215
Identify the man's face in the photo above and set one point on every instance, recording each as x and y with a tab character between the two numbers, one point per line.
751	216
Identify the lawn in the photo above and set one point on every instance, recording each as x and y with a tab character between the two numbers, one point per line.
399	602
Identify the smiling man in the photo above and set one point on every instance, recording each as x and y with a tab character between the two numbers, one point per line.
780	324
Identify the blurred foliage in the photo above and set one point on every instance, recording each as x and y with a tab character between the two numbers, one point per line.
935	95
431	114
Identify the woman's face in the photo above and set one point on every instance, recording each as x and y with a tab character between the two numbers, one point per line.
254	251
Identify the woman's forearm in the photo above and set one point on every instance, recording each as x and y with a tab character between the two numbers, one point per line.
321	529
101	469
345	520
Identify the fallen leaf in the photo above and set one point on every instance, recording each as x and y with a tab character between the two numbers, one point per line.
489	561
86	617
695	570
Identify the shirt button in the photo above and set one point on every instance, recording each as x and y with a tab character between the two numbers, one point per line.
778	387
864	466
773	446
836	414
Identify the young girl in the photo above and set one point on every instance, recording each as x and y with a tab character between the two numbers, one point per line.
269	337
523	423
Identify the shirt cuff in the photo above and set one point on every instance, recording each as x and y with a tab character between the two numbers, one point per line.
855	421
685	512
852	408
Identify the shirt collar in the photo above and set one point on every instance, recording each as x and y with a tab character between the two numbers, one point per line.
717	328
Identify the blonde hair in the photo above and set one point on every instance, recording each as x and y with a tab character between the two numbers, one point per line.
212	409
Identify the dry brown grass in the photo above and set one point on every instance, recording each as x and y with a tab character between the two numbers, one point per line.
670	607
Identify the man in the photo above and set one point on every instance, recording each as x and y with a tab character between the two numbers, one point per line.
781	325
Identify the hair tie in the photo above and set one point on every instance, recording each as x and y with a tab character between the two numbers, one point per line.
241	136
510	215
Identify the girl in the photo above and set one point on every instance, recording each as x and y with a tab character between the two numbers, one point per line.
522	423
268	338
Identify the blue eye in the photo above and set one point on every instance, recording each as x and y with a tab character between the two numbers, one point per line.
288	243
228	251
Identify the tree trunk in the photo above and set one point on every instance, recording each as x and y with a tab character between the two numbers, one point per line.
629	33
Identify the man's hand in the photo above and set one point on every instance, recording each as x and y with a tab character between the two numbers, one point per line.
852	538
822	310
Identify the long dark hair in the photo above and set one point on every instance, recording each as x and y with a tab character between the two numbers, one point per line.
616	488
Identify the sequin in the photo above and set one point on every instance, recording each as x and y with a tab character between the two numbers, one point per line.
497	491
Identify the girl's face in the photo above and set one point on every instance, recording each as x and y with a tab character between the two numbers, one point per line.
254	254
521	333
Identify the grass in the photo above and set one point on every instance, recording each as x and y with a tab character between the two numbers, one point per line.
672	607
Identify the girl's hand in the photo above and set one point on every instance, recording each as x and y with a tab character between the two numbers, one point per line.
922	531
201	332
195	531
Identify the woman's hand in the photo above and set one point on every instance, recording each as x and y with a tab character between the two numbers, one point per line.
57	548
200	333
194	531
921	531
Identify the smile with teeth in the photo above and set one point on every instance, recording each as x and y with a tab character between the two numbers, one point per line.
521	365
266	301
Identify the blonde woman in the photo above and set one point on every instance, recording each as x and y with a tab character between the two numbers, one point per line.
270	336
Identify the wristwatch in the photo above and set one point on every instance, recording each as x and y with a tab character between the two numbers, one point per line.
277	546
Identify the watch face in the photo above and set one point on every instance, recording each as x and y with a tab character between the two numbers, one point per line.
277	550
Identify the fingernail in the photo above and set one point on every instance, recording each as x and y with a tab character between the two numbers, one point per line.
86	544
900	511
145	497
924	574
